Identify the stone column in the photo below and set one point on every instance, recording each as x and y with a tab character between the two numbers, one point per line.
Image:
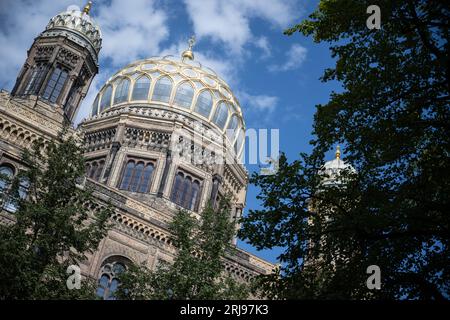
163	181
21	80
216	181
237	215
115	146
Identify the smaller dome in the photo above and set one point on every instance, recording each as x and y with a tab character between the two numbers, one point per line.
78	22
332	169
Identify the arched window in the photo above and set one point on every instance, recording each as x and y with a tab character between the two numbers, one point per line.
204	104
109	277
106	98
24	187
145	183
221	115
194	195
184	95
177	190
93	169
137	176
12	201
126	177
140	89
74	94
9	200
99	170
55	84
121	94
6	175
162	90
95	106
187	188
185	191
231	129
36	79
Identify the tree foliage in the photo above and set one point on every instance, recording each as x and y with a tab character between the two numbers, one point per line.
392	116
197	271
53	227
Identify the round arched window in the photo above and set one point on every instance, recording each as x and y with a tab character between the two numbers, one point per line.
140	89
221	115
121	94
109	277
163	88
105	102
204	104
184	95
6	174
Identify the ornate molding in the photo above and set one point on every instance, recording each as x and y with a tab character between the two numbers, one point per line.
23	112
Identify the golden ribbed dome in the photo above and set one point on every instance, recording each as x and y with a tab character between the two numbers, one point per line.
175	84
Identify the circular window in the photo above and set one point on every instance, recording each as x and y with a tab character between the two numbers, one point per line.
190	73
169	68
148	66
209	81
128	70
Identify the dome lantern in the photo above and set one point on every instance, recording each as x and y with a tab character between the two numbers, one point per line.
333	169
87	7
338	152
79	26
189	54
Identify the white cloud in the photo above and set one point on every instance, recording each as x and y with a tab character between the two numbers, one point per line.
295	57
131	30
292	113
263	44
228	21
258	103
20	23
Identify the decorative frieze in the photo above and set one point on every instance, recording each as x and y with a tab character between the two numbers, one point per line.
68	57
44	52
231	180
99	140
32	117
146	139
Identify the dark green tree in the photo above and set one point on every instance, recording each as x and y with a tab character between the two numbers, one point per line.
392	116
197	271
53	227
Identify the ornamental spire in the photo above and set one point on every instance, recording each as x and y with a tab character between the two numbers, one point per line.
188	53
87	7
338	152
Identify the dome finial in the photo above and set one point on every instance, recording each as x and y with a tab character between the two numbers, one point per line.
87	7
188	53
338	152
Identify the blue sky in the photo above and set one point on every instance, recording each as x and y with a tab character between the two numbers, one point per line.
275	77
